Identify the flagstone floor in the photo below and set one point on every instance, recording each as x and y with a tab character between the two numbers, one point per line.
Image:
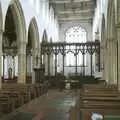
54	105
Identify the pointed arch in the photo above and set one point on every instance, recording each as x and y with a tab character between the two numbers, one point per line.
32	49
103	28
34	32
103	46
15	8
1	18
19	20
45	37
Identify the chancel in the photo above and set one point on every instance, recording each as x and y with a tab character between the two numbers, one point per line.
59	59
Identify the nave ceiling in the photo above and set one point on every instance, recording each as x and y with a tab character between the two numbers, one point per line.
74	10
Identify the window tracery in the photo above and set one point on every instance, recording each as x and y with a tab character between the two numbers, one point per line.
75	34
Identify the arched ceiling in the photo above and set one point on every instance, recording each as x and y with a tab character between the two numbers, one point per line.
74	10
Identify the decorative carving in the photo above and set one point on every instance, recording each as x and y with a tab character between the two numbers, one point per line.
75	48
9	47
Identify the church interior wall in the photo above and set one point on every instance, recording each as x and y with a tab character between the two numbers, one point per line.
109	9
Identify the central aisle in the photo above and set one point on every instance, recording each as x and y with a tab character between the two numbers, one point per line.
54	105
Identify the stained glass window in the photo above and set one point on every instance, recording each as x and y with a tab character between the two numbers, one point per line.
75	34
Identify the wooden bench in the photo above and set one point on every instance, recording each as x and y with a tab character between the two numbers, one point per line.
111	117
6	104
103	99
23	89
100	86
15	96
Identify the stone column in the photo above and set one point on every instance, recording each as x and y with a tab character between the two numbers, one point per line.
22	63
114	61
118	76
51	64
29	65
110	61
35	62
39	58
46	64
48	61
106	61
1	33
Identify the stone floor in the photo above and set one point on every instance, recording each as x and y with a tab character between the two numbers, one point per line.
54	105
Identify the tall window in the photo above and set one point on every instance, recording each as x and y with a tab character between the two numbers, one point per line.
75	34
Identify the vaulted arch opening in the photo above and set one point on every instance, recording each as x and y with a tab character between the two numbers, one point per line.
44	57
44	40
32	50
13	37
102	53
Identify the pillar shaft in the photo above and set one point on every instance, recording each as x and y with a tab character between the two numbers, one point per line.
51	64
115	62
22	63
46	64
118	38
1	32
35	63
106	62
29	64
112	60
39	58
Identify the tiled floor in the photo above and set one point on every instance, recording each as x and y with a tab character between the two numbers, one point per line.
54	105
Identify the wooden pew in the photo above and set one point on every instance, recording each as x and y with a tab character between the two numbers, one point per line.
6	104
103	99
99	87
111	117
26	89
29	90
15	96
